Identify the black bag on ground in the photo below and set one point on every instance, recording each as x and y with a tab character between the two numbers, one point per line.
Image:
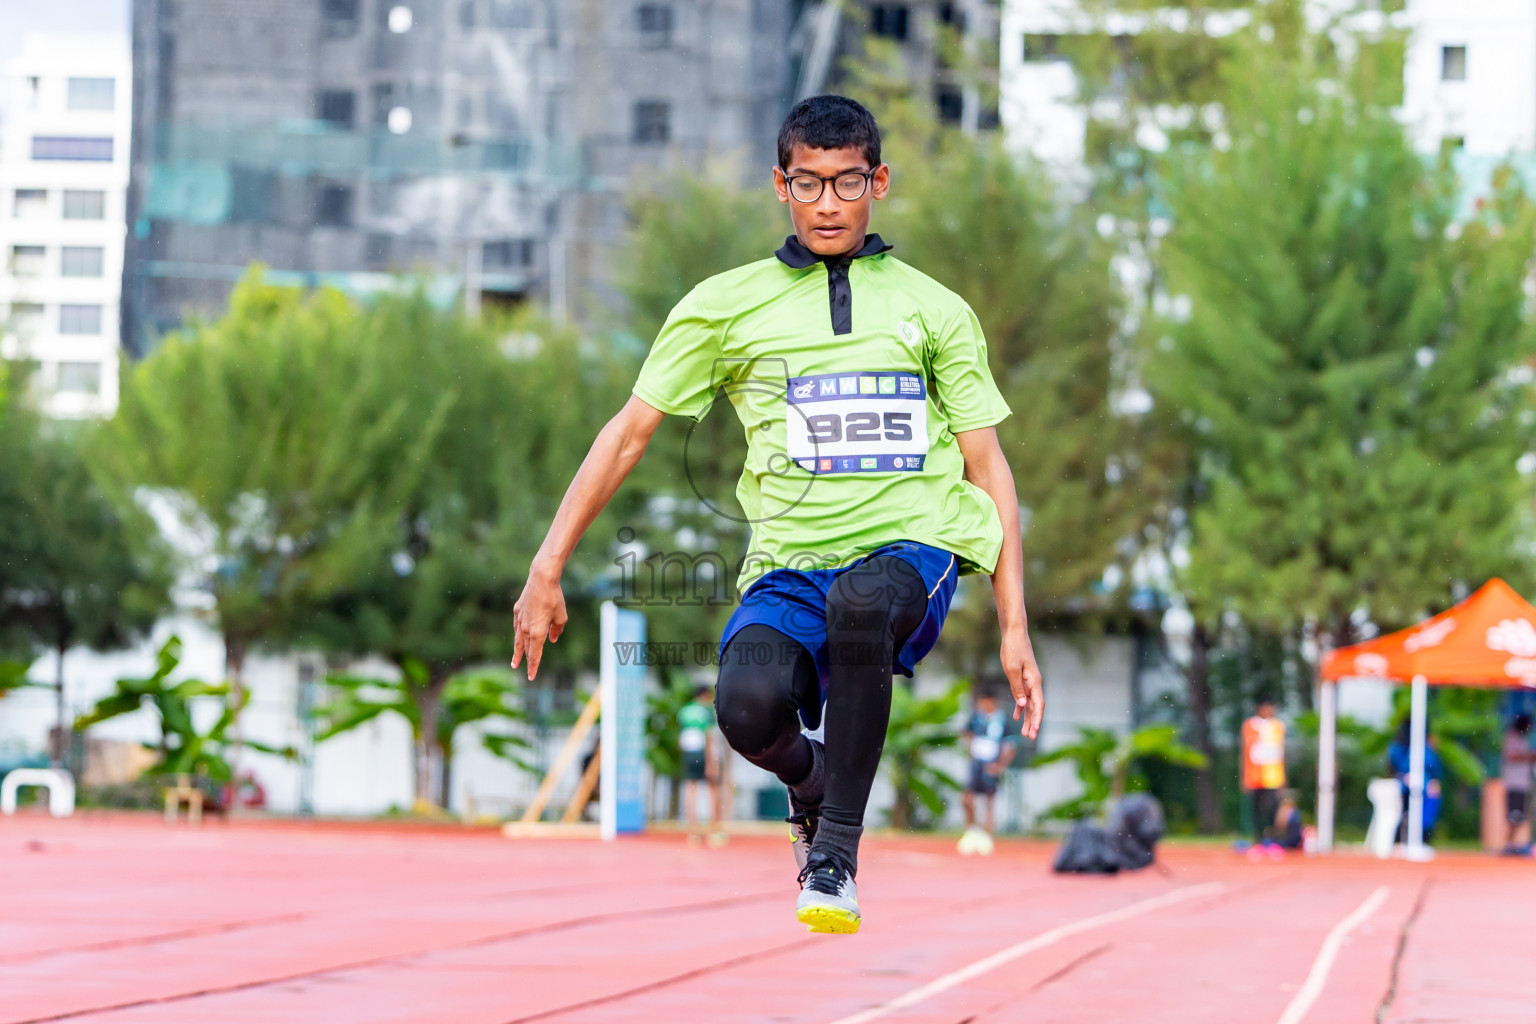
1135	826
1128	844
1087	851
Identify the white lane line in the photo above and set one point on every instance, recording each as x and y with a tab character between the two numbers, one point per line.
1318	977
1028	946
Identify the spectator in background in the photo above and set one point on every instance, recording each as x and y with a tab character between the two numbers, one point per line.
701	755
991	746
1264	771
1399	759
1516	770
1288	830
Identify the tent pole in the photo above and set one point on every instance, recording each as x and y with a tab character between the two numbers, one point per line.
1327	746
1419	724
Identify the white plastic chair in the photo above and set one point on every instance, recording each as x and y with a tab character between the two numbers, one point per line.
59	783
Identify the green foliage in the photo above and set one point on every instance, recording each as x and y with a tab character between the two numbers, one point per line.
1343	379
75	568
183	748
274	433
370	479
13	677
1108	766
919	728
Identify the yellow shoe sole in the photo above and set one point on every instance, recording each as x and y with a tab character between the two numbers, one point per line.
828	920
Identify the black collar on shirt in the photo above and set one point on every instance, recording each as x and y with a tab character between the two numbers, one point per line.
839	289
794	254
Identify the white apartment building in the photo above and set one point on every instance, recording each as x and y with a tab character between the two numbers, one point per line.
63	179
1469	75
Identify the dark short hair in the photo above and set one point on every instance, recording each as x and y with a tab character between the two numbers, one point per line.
1522	723
830	122
701	690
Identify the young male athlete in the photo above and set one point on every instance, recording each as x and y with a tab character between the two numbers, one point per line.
873	479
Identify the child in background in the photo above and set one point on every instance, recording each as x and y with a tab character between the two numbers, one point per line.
991	745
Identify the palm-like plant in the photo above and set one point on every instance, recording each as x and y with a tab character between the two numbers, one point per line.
182	747
1106	762
919	727
470	696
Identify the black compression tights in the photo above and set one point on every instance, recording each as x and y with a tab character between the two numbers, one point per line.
766	677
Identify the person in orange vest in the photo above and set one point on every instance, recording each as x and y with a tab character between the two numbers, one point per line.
1264	769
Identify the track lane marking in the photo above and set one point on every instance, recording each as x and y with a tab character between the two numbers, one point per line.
1318	976
1028	946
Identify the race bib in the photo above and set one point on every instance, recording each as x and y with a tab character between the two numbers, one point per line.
985	748
1264	752
861	422
692	740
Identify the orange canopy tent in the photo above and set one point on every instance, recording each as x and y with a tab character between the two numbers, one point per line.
1487	640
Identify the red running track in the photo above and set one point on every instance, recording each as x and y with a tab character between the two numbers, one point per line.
118	919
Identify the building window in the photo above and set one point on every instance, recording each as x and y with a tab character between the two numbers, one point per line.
655	21
889	20
84	205
82	261
80	378
30	202
1042	47
950	103
511	14
653	122
91	93
26	317
383	102
338	18
79	319
27	260
56	147
508	254
337	108
1453	63
333	206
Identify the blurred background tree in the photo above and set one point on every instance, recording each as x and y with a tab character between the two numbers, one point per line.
75	567
1346	366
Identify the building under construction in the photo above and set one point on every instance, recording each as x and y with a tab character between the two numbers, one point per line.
485	145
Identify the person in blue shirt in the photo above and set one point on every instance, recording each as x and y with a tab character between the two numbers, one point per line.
1398	758
991	746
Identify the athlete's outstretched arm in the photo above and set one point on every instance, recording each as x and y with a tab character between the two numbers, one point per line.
987	468
540	611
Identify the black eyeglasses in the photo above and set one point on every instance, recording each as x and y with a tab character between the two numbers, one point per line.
848	186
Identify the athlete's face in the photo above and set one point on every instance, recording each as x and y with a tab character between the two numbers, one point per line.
832	225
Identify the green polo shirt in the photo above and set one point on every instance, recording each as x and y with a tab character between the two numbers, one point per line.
851	379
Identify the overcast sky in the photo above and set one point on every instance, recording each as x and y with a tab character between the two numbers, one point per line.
18	17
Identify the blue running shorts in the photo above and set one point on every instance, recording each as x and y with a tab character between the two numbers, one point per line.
794	602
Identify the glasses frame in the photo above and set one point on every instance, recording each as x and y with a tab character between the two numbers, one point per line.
789	185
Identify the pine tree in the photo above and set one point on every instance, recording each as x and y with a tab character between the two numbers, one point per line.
1352	373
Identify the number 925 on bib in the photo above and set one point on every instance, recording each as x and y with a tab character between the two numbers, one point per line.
857	422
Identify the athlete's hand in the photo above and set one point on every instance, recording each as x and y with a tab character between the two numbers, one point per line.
538	615
1018	658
